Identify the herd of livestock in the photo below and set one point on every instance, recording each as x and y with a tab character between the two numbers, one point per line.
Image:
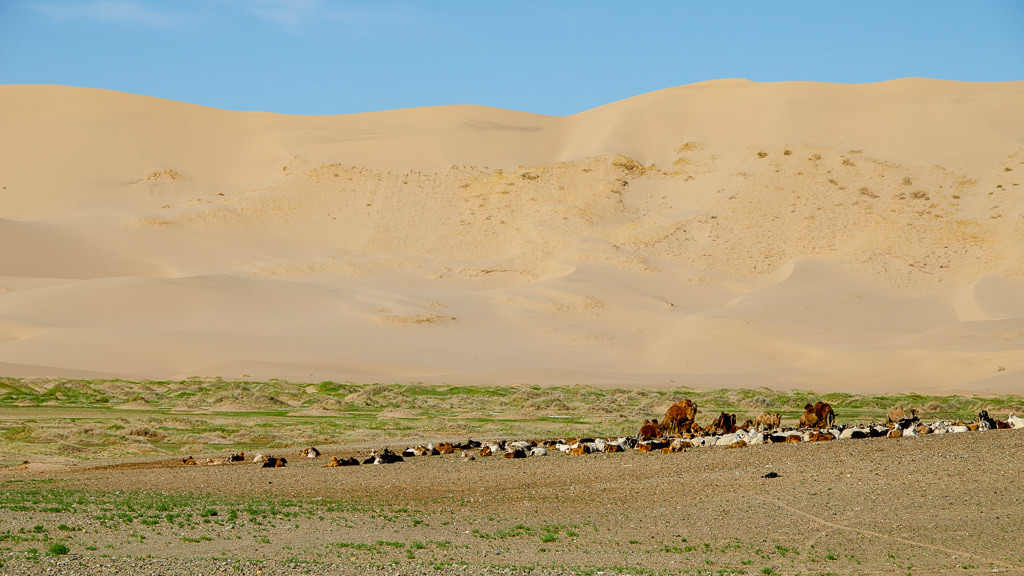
677	431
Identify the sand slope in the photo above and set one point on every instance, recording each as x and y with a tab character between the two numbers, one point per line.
729	233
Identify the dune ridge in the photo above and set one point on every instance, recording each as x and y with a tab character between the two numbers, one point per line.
728	233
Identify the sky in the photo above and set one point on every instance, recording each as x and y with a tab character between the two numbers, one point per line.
318	57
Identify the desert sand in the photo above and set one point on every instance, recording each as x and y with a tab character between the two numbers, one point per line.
728	233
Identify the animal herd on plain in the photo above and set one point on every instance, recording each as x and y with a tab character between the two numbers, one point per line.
677	431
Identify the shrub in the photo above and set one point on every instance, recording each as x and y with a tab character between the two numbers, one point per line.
58	549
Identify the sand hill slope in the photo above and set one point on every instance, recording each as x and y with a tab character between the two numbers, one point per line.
856	237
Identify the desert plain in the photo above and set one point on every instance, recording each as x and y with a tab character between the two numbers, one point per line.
179	279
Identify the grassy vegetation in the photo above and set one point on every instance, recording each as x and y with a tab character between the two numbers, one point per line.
87	419
120	509
44	517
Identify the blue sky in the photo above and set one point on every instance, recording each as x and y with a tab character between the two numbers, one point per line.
547	57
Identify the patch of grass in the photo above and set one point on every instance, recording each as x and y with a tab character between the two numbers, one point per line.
179	422
356	546
783	551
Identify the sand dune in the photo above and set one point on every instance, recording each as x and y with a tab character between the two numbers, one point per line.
727	233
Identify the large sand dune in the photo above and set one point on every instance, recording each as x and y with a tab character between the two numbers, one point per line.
730	233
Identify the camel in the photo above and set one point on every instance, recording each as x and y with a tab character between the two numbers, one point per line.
679	417
826	416
768	421
898	414
649	429
819	415
724	424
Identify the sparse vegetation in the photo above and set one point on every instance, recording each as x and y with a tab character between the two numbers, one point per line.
164	175
629	165
331	412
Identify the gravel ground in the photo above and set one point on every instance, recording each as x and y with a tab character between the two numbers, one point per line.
942	504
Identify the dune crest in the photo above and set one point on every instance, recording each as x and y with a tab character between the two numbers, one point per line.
727	233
